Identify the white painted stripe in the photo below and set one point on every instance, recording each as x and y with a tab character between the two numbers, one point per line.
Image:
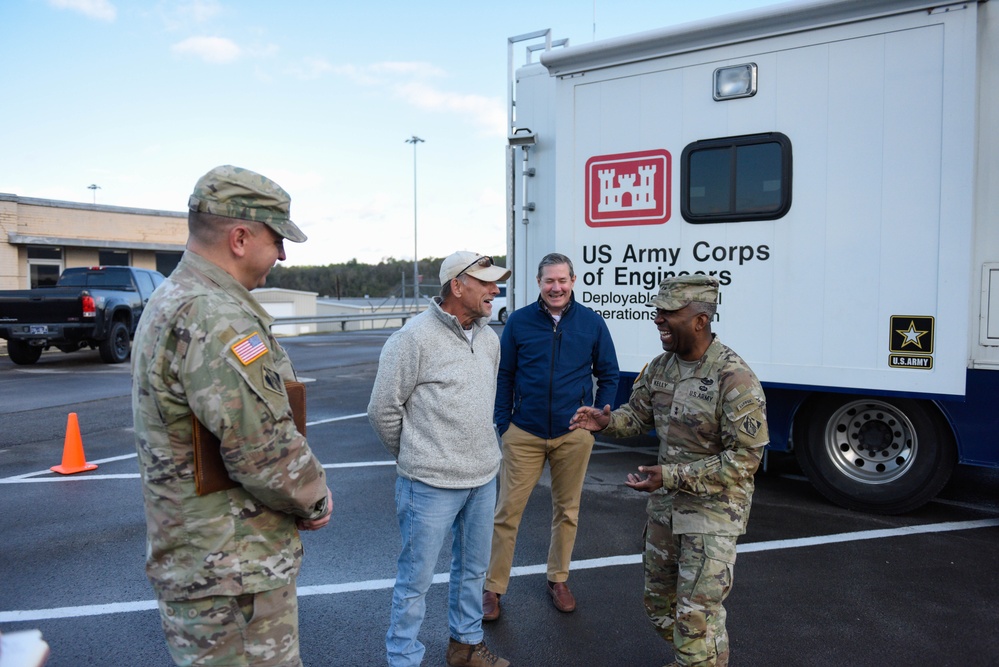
337	419
28	479
49	472
18	478
76	612
111	459
17	616
868	535
353	587
68	478
358	464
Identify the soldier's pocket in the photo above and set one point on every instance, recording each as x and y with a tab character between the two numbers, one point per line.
720	548
693	410
659	507
719	565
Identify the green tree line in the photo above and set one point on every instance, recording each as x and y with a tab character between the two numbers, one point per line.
354	279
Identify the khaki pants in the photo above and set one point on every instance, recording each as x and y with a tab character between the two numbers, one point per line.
252	630
524	458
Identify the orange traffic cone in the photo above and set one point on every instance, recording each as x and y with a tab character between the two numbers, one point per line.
73	459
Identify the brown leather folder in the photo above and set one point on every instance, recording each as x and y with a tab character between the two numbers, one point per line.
210	474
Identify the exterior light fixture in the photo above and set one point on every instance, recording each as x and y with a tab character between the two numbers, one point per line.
735	81
523	137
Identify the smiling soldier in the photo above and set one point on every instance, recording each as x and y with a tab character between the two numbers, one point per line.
709	412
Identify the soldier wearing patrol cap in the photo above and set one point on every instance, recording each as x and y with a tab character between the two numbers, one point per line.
709	412
223	565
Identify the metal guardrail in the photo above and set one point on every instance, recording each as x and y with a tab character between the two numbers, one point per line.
342	319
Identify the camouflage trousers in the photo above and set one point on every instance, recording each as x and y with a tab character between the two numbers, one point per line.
687	578
252	630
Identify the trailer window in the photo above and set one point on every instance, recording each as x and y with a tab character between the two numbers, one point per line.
736	178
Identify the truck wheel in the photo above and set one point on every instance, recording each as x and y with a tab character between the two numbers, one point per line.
502	316
882	455
115	348
23	354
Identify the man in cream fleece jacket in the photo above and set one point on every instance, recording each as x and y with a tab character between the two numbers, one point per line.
432	408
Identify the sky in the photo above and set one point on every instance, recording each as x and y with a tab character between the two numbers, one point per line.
141	98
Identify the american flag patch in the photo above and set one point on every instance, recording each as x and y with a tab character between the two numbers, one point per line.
250	348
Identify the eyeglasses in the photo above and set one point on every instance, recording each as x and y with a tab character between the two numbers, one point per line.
484	262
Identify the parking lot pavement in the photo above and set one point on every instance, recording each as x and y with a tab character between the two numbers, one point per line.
815	584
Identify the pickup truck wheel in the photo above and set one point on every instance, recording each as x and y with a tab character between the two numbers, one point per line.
116	347
23	354
875	454
502	316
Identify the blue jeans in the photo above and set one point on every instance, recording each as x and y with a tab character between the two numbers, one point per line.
425	515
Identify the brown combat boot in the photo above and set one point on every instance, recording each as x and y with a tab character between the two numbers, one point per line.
472	655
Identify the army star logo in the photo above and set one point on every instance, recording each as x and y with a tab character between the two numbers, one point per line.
911	335
751	426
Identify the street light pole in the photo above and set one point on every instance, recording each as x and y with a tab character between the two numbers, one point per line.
95	188
416	258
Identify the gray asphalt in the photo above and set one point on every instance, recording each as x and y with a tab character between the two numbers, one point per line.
815	584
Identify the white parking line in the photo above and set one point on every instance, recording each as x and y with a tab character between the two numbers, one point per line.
24	615
25	478
337	419
29	479
21	478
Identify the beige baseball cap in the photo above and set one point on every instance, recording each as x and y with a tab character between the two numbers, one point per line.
474	264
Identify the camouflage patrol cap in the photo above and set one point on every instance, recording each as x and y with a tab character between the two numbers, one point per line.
677	292
233	192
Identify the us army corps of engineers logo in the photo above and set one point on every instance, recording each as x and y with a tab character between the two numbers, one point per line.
628	188
911	342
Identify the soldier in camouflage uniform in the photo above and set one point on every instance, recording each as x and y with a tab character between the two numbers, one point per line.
709	412
223	565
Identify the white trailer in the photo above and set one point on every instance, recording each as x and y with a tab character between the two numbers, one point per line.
835	164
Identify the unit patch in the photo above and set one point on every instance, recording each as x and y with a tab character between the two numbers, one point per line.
249	349
751	426
272	380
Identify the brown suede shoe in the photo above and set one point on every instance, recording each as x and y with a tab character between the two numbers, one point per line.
562	596
490	606
472	655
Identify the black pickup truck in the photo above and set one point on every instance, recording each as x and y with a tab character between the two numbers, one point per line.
95	307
